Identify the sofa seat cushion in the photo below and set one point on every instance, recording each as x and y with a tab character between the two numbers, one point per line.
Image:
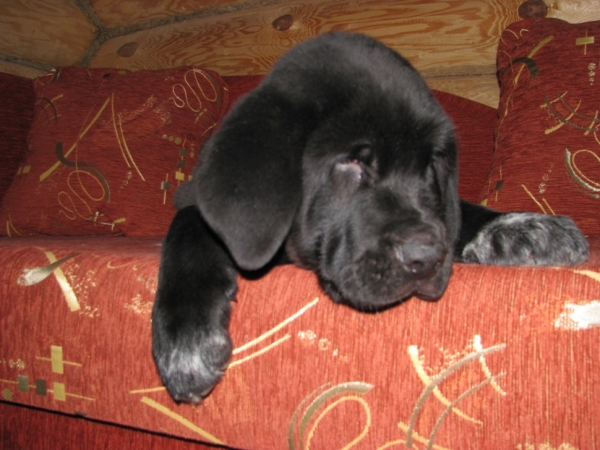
506	359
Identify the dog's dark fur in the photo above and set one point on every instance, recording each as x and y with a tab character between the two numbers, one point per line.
343	162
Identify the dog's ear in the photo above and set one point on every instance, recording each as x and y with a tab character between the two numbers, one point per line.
451	201
249	182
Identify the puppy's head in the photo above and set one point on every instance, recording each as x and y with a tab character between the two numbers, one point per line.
343	155
379	213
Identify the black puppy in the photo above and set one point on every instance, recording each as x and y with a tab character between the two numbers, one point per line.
343	162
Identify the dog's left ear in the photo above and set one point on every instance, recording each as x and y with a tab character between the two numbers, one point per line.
249	182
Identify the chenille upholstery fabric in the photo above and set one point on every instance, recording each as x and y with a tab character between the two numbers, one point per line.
474	125
507	358
31	428
547	156
15	119
108	149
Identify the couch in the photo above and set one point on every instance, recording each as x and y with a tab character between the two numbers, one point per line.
507	358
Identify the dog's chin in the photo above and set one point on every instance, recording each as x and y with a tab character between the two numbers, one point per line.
382	299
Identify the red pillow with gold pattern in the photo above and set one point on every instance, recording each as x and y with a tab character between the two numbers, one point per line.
547	156
108	149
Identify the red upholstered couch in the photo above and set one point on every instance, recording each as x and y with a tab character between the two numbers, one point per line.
89	160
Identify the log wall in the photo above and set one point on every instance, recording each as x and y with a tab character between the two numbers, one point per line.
452	42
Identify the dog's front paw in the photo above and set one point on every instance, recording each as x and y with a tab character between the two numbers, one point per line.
190	361
528	239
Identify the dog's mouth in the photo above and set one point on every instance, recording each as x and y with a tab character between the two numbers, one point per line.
380	303
375	286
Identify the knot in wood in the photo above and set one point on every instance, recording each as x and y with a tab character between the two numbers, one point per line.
127	50
283	23
533	9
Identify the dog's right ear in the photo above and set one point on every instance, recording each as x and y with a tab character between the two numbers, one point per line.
248	181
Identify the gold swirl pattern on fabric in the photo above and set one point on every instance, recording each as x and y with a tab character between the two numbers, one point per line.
75	202
276	328
432	387
253	343
44	103
56	165
191	93
477	345
36	275
266	335
79	188
530	56
562	120
545	207
120	136
416	437
182	420
298	436
590	186
262	351
427	381
589	273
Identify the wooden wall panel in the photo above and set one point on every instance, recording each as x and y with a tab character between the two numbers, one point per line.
118	13
574	11
439	37
452	42
482	88
20	70
54	32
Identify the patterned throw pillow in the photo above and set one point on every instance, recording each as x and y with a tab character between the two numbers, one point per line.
547	156
108	148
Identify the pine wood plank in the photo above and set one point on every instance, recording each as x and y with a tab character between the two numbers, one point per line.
482	88
50	32
20	70
440	38
574	11
117	13
452	42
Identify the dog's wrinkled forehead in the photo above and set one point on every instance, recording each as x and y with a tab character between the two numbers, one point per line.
383	138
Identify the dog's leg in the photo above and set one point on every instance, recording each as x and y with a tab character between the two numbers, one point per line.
197	281
528	239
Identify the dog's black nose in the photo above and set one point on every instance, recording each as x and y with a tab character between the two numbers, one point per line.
421	256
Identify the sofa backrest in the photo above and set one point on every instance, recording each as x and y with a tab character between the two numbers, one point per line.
108	148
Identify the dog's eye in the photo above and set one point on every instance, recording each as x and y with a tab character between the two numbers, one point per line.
364	154
358	168
347	176
352	170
